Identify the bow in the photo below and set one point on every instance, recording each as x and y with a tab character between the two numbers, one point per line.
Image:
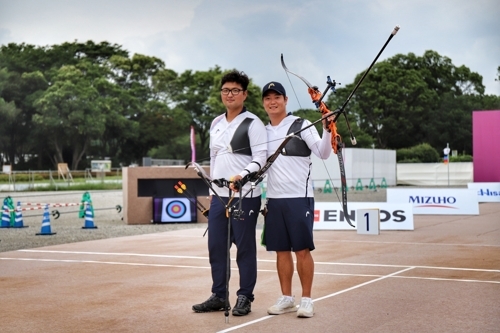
336	141
258	176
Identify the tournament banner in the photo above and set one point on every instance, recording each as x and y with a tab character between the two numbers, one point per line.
330	216
486	192
172	210
436	201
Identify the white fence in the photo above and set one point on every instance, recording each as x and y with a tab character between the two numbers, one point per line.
361	166
435	174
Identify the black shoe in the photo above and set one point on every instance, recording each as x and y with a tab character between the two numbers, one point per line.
243	306
213	303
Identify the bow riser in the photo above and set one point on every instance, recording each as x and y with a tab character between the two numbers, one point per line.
331	126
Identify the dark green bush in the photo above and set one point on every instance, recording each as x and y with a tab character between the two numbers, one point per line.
461	158
422	153
23	177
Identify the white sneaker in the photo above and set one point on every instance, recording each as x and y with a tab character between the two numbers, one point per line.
306	309
283	305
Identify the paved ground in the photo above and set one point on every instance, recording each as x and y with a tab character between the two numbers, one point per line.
442	277
109	222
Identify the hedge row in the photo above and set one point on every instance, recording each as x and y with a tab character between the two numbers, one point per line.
24	177
424	153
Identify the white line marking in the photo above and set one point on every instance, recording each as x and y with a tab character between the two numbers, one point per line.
405	243
103	262
116	254
402	266
443	279
261	260
236	269
363	284
319	299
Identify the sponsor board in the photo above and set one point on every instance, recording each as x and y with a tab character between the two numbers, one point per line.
433	201
486	192
330	216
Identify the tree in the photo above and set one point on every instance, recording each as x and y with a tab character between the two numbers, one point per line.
70	112
146	90
363	140
31	70
8	115
405	101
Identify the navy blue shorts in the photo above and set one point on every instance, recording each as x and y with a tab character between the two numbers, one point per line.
289	224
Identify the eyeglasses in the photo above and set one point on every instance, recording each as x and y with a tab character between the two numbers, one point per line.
234	91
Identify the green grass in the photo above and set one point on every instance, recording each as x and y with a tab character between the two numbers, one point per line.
64	186
80	187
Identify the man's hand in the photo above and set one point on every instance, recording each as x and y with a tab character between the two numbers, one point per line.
326	123
234	183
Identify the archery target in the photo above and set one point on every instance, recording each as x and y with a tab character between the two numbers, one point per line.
176	210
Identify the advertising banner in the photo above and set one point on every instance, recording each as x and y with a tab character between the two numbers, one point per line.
434	201
330	216
486	192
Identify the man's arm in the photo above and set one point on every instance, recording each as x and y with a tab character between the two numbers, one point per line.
258	142
321	147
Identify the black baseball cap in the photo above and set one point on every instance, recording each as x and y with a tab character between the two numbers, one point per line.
274	86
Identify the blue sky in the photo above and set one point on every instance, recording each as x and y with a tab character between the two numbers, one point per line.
317	37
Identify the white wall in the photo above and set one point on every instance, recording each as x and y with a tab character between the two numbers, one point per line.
365	164
360	163
435	174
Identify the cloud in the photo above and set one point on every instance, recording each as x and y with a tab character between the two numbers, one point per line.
317	37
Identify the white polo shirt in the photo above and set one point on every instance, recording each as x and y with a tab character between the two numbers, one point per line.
224	163
289	176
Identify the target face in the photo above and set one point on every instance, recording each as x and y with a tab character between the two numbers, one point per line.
175	209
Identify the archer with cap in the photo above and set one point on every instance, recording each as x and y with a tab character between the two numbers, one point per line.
290	198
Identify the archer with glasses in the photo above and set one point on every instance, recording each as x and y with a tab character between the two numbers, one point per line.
238	147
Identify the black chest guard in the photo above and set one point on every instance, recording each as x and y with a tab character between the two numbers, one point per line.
296	146
240	143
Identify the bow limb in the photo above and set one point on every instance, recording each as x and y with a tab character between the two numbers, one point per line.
200	171
297	75
317	99
343	183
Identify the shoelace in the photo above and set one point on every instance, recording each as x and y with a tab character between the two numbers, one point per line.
213	297
305	303
241	301
282	300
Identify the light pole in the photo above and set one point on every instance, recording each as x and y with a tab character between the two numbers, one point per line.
446	152
373	166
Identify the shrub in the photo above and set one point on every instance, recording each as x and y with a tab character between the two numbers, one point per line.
21	177
461	158
422	153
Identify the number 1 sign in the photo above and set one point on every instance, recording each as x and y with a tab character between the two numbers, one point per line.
368	221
